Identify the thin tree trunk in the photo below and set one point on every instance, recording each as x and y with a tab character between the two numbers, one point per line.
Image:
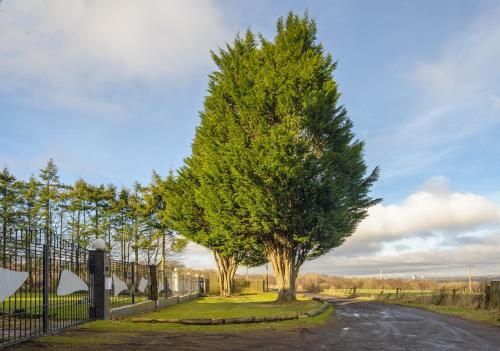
163	251
226	269
29	238
61	214
109	232
96	222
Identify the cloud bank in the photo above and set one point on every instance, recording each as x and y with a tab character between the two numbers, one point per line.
93	44
433	208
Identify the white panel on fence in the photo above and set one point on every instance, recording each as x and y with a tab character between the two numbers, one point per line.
118	285
69	283
10	281
143	284
108	283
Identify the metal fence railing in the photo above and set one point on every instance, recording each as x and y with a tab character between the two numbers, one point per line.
45	284
165	283
131	283
48	283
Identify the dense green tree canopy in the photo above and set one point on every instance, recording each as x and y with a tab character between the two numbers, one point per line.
274	157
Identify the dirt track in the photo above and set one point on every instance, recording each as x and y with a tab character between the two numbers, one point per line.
356	326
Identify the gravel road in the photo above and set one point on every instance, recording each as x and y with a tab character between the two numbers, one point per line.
380	326
355	326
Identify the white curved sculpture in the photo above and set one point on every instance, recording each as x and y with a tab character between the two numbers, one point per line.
118	285
143	284
69	283
161	286
10	281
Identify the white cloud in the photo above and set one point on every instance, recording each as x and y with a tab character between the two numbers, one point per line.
88	44
433	208
428	210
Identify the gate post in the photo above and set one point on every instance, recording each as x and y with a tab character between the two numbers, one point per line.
102	284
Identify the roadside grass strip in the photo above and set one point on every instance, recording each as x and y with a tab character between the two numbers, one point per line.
490	316
256	308
218	308
237	320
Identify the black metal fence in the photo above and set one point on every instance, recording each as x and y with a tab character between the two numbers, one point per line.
48	283
131	283
45	285
165	283
134	282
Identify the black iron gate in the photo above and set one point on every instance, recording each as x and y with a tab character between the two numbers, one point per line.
45	285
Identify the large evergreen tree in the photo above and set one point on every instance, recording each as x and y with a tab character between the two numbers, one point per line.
274	157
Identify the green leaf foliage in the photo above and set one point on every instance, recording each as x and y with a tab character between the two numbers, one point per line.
275	158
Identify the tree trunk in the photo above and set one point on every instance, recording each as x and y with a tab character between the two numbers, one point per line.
109	233
96	222
283	260
226	269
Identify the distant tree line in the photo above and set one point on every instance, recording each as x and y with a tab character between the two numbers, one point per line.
320	282
129	220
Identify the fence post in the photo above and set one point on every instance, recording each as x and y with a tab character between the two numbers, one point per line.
46	263
153	292
102	284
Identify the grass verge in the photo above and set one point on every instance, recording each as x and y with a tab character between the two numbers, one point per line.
374	293
126	326
258	305
112	334
216	307
105	335
65	340
488	316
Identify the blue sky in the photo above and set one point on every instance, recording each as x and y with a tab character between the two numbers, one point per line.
111	90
